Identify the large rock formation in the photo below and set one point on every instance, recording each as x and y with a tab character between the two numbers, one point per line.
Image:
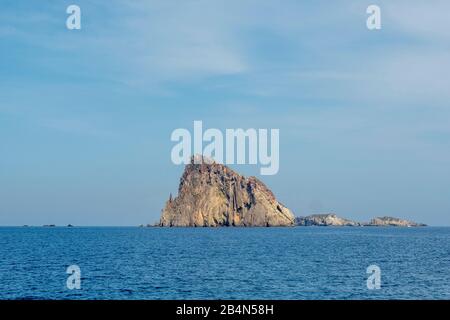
324	220
392	222
212	195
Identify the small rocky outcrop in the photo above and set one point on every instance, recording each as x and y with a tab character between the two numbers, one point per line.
329	219
392	222
333	220
213	195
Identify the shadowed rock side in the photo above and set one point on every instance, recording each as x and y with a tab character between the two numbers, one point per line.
324	220
213	195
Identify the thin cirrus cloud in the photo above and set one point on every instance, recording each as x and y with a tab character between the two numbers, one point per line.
420	20
349	101
273	47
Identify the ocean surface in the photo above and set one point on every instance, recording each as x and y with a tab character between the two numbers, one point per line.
225	263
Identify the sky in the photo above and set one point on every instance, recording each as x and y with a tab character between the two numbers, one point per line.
86	115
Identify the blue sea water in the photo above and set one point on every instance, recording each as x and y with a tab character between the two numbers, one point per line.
225	263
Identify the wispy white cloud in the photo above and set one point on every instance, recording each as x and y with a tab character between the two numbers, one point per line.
76	126
311	69
150	43
420	19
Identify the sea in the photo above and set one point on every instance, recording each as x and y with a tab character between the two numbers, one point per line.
224	263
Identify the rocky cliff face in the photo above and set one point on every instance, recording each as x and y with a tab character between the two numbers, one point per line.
212	195
324	220
393	222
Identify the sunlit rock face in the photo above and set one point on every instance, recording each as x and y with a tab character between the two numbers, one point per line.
213	195
329	219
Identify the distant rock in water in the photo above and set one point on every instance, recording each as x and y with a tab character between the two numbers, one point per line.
333	220
324	220
392	222
213	195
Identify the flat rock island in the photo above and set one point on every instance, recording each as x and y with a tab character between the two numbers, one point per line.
331	219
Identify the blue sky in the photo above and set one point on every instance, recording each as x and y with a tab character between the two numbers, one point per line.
86	115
